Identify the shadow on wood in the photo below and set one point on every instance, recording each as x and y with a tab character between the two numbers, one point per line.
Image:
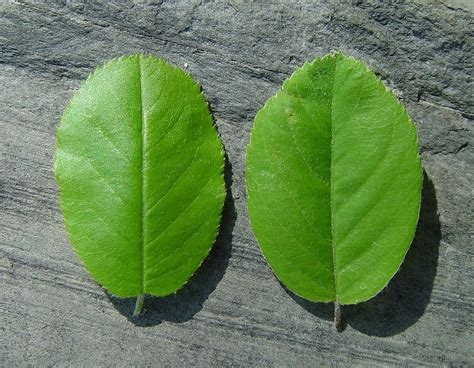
189	300
405	298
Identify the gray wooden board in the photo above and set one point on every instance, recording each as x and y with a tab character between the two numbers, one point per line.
234	312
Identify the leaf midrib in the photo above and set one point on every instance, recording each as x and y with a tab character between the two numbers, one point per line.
142	184
331	202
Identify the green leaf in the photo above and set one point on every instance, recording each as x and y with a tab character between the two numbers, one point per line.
140	171
334	182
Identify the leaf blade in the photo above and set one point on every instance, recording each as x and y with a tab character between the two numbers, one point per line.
298	144
121	122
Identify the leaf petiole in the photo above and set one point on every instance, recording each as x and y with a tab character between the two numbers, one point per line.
338	316
139	305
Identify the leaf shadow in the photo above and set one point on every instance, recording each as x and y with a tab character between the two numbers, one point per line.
404	300
189	300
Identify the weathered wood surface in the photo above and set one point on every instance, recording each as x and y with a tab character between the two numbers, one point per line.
234	312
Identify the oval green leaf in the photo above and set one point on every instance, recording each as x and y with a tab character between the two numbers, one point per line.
334	182
140	170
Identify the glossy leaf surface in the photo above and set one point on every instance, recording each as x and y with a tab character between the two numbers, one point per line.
140	171
334	181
